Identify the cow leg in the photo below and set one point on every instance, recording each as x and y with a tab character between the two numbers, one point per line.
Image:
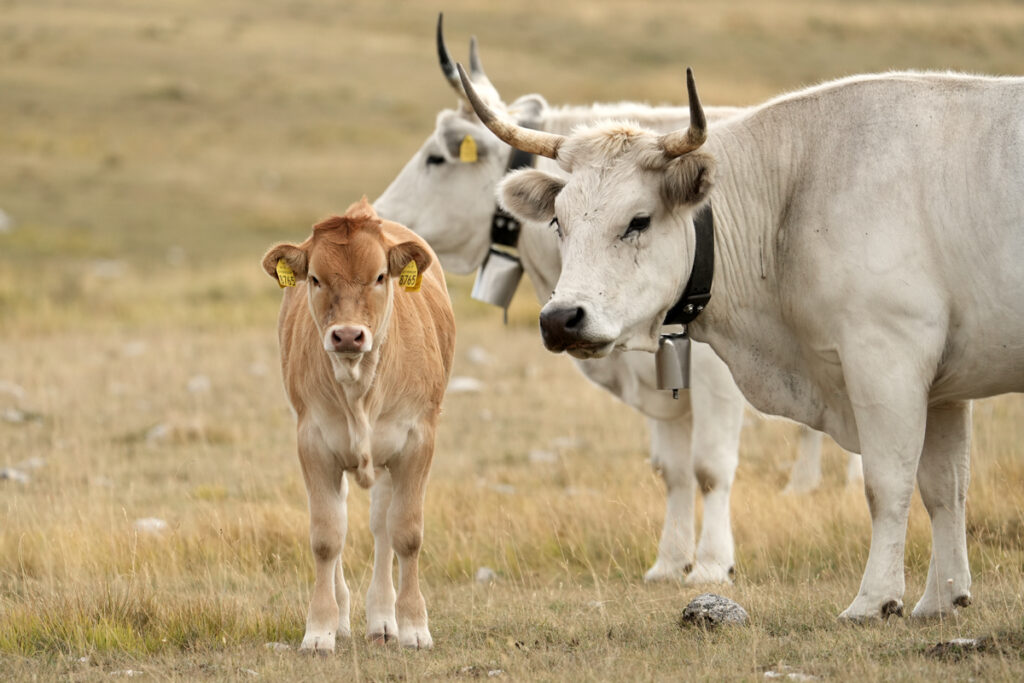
805	475
405	521
889	404
718	409
341	590
854	470
670	457
381	625
942	476
327	490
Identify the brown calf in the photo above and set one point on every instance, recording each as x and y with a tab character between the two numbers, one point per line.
365	360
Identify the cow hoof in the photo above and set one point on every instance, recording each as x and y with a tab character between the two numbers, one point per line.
962	601
710	574
416	639
857	614
318	643
667	571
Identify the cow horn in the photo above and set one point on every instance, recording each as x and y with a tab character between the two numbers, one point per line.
476	69
447	66
679	142
532	141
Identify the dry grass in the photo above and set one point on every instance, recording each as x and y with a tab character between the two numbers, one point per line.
151	151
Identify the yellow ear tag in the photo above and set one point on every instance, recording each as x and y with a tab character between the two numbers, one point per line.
411	278
285	276
467	150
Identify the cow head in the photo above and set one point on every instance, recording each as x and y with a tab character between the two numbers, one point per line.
445	193
624	218
349	268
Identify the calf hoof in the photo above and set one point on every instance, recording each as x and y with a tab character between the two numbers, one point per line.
962	601
710	574
318	643
416	639
384	635
667	571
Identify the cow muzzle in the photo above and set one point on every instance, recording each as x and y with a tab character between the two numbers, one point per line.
348	339
563	329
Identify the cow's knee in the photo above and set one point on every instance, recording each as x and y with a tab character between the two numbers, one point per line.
407	540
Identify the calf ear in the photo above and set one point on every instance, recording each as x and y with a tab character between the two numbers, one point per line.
530	194
294	256
400	255
688	179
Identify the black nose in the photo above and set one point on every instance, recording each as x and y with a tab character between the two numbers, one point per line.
560	327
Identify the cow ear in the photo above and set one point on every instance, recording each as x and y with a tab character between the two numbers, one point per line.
687	180
530	194
294	256
400	255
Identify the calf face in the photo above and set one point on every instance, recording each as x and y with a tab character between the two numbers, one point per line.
349	269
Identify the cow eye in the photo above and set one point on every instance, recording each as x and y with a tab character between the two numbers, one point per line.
556	225
312	279
638	224
434	160
380	279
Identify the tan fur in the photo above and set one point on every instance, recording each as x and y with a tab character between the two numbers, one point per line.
368	413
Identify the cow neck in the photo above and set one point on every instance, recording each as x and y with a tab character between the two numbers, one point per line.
505	229
697	292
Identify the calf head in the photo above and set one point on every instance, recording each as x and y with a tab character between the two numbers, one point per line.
624	218
349	268
445	193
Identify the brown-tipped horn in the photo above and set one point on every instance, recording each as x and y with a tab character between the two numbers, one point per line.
447	66
532	141
680	142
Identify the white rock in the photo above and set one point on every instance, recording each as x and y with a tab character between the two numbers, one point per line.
199	384
486	575
465	385
479	355
6	222
250	672
11	474
109	269
33	463
133	349
277	647
493	673
150	525
542	457
127	673
709	611
11	394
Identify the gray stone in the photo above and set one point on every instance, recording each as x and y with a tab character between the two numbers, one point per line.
710	611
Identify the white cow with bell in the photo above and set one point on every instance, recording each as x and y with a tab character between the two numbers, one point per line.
869	235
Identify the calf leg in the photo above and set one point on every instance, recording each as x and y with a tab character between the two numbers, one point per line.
805	475
340	587
405	522
670	457
381	625
327	490
718	409
942	476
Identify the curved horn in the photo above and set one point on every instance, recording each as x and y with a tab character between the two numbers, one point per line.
679	142
532	141
447	66
476	69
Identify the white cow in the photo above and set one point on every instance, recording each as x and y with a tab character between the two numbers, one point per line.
868	235
450	203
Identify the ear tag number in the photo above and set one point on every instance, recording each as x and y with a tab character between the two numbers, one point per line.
411	278
285	275
467	150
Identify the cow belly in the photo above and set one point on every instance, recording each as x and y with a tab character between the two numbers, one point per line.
388	437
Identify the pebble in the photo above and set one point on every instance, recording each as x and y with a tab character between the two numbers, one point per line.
486	575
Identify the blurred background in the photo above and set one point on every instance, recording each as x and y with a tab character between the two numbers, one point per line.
151	151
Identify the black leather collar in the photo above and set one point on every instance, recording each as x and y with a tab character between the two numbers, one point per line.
698	288
505	228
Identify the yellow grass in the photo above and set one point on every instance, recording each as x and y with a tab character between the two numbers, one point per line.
150	151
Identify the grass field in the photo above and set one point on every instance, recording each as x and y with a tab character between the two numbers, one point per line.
149	152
